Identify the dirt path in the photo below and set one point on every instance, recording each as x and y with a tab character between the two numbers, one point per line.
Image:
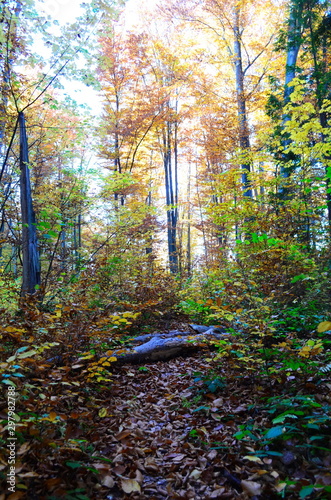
162	447
162	431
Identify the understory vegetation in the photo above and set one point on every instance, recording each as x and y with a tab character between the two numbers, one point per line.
249	415
200	195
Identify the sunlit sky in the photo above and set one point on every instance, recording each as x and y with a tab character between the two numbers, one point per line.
66	11
62	10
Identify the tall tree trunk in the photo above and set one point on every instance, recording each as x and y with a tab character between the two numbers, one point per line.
77	236
202	220
31	261
7	51
189	210
293	45
241	103
171	185
63	264
117	158
149	248
8	47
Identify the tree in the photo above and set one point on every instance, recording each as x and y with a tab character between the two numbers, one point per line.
306	61
23	93
141	114
241	100
31	260
230	26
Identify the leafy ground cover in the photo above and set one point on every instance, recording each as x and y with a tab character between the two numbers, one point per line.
226	423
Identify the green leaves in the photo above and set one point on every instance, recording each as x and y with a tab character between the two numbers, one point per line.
281	418
298	278
74	465
274	432
306	491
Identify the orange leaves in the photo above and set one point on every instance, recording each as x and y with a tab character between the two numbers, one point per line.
12	332
51	417
120	321
87	355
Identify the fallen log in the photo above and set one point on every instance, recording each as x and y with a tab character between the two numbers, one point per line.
164	346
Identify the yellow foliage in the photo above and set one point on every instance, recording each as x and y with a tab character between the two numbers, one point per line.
88	356
102	412
311	348
324	326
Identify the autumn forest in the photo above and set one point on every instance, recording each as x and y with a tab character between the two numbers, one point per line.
165	249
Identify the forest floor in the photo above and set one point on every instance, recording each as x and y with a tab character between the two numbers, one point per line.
187	428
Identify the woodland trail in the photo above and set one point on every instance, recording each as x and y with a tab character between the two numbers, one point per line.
168	437
164	431
161	448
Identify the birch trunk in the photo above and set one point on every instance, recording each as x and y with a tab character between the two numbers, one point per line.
244	141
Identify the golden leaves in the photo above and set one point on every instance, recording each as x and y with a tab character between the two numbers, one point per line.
324	326
311	348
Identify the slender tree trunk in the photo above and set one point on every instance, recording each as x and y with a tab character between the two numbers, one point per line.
171	185
77	241
188	248
8	45
241	103
63	247
117	158
149	249
6	59
293	48
202	221
31	261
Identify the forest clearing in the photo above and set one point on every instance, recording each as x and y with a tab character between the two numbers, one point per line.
165	251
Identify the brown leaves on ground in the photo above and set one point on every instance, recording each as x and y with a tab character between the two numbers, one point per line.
146	436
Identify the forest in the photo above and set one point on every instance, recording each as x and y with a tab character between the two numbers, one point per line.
165	249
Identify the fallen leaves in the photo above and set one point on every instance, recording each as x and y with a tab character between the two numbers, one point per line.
130	486
152	436
251	487
102	412
251	458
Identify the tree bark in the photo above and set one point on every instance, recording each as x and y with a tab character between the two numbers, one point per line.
171	185
189	216
31	261
163	346
244	141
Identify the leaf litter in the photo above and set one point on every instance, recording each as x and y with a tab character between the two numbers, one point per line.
157	434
